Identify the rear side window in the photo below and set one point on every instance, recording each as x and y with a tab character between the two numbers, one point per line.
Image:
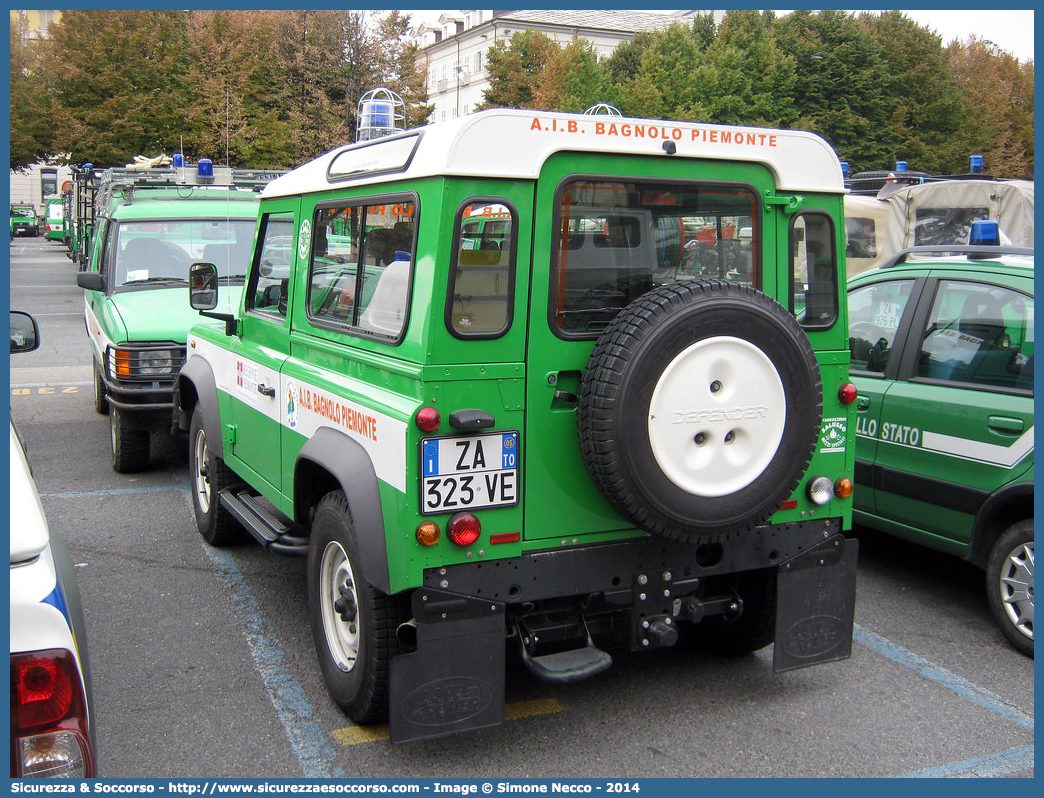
616	240
360	267
813	264
979	334
483	277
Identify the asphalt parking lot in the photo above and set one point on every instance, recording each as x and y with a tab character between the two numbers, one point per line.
204	664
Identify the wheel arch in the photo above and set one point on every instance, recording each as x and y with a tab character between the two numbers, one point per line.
1005	507
329	461
196	385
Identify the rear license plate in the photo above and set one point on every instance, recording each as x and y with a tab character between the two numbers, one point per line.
469	472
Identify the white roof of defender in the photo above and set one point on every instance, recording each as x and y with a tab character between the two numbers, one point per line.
514	144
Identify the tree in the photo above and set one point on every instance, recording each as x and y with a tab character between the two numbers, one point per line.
997	108
745	79
119	84
840	86
920	90
571	81
515	69
31	131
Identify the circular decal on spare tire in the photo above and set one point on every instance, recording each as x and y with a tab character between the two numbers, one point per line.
717	416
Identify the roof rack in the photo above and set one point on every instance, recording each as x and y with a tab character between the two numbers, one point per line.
972	251
222	176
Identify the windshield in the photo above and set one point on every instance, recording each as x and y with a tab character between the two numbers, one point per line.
23	211
160	252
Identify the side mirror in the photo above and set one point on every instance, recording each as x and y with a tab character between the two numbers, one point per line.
92	281
203	286
25	335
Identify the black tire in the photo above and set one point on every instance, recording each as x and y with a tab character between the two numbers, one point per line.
1009	584
699	410
353	623
130	446
208	476
754	628
100	404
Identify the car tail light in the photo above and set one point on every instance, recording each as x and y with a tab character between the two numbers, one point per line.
428	419
464	529
847	393
49	734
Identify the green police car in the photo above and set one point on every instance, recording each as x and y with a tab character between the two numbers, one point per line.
479	378
24	221
146	228
942	347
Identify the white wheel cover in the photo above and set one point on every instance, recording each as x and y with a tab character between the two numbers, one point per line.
717	416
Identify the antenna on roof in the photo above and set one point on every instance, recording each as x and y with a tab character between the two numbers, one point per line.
381	112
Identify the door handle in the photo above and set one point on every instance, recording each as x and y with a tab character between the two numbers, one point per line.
265	390
1006	424
863	403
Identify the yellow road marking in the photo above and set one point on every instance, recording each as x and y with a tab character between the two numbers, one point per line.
45	390
354	735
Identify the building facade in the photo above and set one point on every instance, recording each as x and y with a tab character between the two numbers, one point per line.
454	50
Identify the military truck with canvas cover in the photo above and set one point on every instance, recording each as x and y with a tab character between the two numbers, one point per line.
146	227
545	383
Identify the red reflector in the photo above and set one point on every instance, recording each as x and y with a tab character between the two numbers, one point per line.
847	393
428	419
464	529
789	504
505	537
44	687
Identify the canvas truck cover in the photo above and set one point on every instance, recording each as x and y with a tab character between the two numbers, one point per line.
941	213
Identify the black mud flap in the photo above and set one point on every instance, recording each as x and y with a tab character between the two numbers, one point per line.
815	609
454	681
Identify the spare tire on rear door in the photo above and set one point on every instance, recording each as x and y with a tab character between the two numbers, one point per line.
699	409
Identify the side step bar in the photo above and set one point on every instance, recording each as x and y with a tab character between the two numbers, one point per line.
272	530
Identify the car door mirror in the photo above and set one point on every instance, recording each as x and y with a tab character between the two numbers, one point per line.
203	286
92	281
25	335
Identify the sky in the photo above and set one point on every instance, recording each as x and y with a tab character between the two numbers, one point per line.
1010	30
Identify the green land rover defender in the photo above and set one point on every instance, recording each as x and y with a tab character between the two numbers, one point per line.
537	383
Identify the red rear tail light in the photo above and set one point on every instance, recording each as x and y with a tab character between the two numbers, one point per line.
49	726
428	419
464	529
847	393
42	687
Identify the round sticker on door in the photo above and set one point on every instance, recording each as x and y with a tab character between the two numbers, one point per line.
304	239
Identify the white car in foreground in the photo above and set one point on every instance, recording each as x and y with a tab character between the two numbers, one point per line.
51	718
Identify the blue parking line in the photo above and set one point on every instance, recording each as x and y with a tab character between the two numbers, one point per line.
308	741
111	492
992	765
983	767
940	675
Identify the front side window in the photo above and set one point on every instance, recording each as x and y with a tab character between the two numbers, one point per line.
158	253
979	334
482	281
813	262
874	313
359	275
616	240
271	278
